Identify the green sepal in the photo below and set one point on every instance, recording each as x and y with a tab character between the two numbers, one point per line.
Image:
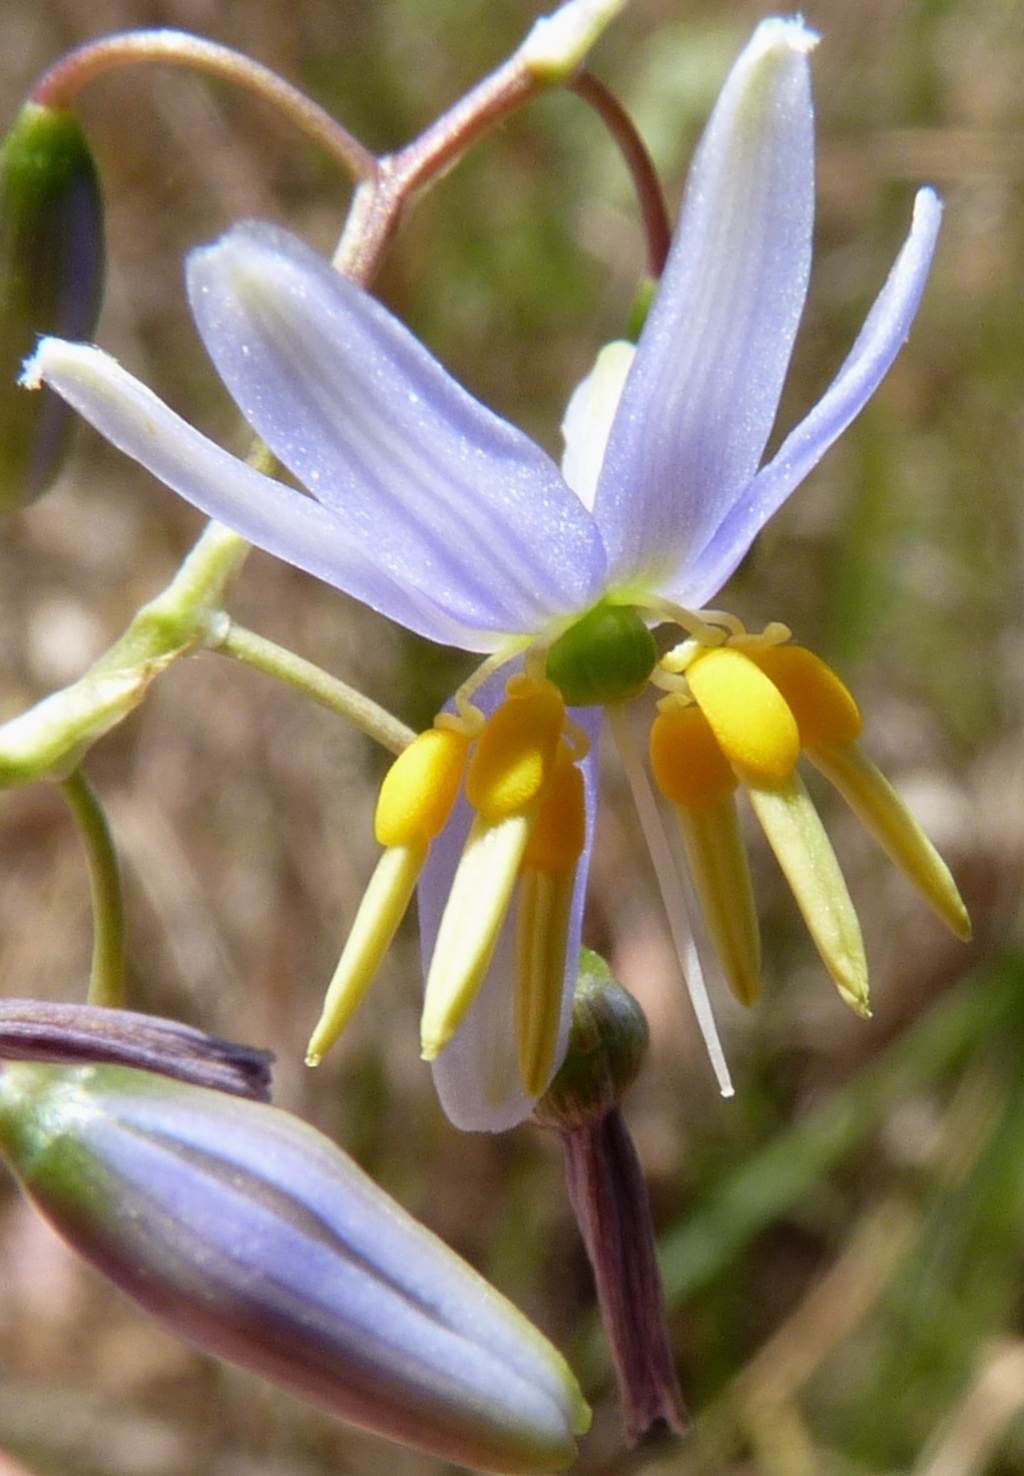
607	656
51	282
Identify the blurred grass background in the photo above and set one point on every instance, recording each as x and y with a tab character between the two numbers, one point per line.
844	1242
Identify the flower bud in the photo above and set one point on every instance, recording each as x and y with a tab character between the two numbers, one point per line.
607	1042
51	282
252	1235
84	1034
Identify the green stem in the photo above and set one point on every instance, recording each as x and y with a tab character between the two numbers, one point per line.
106	978
50	740
376	722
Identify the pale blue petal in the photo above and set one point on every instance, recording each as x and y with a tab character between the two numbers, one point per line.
476	1075
437	491
266	512
700	401
885	331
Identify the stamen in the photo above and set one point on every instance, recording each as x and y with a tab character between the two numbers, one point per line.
829	722
726	619
713	628
747	713
709	627
873	799
693	772
542	930
515	752
688	764
673	891
421	787
380	912
473	916
822	704
668	681
546	885
678	659
471	715
721	875
775	634
577	738
797	836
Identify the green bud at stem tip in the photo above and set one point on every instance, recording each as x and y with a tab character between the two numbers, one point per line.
51	282
607	1042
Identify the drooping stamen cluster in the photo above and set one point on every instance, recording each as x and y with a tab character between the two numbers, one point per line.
742	714
739	710
519	772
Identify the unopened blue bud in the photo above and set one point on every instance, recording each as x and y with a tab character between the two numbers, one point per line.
51	282
253	1236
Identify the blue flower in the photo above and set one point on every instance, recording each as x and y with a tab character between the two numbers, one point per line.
444	517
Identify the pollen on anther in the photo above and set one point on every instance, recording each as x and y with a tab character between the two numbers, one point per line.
825	711
420	788
748	714
688	764
514	754
559	832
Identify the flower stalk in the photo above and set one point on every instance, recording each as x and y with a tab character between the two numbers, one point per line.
607	1043
329	691
106	976
61	84
650	196
50	740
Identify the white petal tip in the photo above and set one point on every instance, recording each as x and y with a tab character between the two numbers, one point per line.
782	33
718	1065
32	372
55	354
927	210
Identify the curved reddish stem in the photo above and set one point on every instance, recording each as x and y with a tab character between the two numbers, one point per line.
60	85
657	225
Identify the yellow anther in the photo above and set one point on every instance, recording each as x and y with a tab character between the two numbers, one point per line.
721	875
870	795
690	768
803	850
479	899
557	838
515	752
748	714
544	906
421	787
380	912
824	710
